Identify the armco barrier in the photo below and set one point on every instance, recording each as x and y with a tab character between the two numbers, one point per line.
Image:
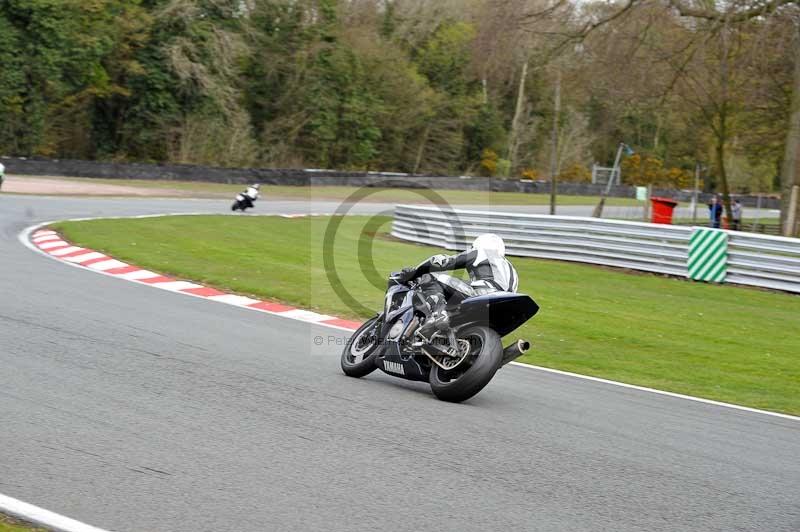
764	261
755	260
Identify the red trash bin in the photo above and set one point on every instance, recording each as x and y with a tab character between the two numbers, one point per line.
662	210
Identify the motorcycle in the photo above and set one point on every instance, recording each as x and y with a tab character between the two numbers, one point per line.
457	362
242	202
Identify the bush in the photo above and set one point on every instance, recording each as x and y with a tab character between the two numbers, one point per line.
530	173
577	173
488	166
503	167
648	170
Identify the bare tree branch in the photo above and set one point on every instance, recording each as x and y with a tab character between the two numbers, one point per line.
760	9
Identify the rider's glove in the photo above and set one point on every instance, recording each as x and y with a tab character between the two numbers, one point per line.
407	274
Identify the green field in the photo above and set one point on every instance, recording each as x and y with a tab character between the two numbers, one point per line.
720	342
9	524
391	195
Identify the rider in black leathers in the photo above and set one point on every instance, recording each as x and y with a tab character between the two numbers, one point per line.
488	269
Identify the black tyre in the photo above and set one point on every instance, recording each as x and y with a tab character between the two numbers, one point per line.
475	372
235	205
358	357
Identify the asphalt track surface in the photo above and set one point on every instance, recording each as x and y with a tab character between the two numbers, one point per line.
135	409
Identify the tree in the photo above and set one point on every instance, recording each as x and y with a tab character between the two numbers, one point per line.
790	175
405	85
52	54
444	59
724	25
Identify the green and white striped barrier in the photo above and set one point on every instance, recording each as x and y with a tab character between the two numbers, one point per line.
708	255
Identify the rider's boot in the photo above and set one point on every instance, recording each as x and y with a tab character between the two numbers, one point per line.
436	318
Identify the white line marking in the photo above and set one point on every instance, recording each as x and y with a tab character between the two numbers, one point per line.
54	244
176	285
305	315
137	275
64	251
42	517
84	257
233	299
107	265
24	238
659	392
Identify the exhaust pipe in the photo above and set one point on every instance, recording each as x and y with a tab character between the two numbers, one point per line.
515	350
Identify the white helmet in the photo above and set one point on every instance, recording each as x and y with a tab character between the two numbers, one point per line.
488	244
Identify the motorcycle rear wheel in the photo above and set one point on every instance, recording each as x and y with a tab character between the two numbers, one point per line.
358	356
469	377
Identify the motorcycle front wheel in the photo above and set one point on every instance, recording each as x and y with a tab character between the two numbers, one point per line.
485	352
358	357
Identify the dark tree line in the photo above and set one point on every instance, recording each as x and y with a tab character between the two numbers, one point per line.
404	85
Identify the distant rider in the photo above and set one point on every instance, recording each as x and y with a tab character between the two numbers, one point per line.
251	194
489	271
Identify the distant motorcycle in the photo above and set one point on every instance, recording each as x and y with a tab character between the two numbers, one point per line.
457	362
246	200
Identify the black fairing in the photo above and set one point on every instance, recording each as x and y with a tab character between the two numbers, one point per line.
502	311
415	368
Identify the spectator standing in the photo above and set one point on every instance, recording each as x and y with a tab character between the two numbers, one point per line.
715	212
736	210
2	174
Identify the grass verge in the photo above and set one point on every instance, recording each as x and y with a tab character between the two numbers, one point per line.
338	193
10	524
720	342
